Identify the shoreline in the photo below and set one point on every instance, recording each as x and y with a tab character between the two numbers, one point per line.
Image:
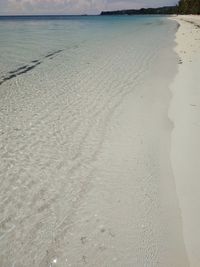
184	112
90	141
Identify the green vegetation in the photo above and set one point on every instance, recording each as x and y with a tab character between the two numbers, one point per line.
168	10
189	7
183	7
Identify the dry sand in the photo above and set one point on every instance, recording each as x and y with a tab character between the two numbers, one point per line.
185	114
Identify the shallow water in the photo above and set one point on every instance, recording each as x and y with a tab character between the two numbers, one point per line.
81	147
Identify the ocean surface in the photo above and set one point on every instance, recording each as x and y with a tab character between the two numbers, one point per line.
81	153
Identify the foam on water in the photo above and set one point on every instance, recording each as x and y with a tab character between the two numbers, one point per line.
80	168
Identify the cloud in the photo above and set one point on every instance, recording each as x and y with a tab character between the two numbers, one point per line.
73	6
50	6
3	6
123	4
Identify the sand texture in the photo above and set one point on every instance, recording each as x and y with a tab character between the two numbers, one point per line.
185	114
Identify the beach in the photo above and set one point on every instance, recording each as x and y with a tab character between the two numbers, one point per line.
99	142
185	144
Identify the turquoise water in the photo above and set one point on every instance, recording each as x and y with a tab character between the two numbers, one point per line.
81	107
25	39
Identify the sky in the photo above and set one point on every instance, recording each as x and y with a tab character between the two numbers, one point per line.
30	7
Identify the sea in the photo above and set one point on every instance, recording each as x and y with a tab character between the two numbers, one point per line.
80	101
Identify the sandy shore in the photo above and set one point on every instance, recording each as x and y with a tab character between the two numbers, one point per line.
85	141
185	114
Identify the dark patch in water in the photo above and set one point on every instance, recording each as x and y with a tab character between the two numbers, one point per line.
11	76
19	71
20	68
26	68
53	53
29	68
34	61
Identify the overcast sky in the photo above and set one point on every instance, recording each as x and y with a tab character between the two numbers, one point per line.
11	7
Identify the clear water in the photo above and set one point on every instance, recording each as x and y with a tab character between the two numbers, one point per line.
23	40
79	141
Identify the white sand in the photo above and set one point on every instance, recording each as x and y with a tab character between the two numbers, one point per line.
185	114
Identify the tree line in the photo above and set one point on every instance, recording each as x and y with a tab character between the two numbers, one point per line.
183	7
189	7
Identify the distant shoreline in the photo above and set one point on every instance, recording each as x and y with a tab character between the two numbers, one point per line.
166	10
